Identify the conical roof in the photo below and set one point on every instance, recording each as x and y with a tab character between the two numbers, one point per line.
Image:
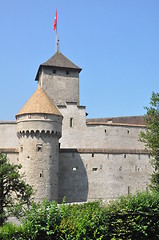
60	61
39	102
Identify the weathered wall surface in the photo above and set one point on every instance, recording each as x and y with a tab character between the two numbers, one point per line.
8	134
73	180
86	177
39	153
82	135
61	86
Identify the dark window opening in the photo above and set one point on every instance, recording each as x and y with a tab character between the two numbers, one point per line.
128	190
67	72
71	122
94	169
124	155
92	154
39	148
54	71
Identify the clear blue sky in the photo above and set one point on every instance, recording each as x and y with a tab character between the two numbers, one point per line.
116	42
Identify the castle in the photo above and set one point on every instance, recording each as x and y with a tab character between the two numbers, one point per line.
65	154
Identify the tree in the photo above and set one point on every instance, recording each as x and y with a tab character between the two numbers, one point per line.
14	192
151	138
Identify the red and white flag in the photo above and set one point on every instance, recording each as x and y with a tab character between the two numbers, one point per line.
55	22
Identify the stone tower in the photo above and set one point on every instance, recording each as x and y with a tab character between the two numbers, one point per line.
59	77
39	125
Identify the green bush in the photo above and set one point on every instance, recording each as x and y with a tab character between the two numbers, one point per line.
134	217
130	217
10	231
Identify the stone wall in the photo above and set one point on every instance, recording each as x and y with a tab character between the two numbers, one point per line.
8	134
96	135
86	176
61	85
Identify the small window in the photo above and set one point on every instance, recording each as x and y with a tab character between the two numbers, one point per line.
67	72
71	122
124	155
21	148
92	154
29	116
74	168
94	169
39	147
41	174
139	157
128	132
105	130
54	71
45	116
108	155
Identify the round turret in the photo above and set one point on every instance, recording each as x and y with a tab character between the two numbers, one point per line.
39	125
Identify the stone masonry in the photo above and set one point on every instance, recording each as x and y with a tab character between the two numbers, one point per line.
63	154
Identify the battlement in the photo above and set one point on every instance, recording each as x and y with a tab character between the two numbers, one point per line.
38	134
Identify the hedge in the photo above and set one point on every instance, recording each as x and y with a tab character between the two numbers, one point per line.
130	217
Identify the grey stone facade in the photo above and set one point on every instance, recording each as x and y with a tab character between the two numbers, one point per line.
66	155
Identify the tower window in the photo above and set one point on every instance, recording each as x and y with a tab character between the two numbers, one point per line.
71	122
94	169
39	147
74	168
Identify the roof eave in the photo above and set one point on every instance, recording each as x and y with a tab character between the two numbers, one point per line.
56	67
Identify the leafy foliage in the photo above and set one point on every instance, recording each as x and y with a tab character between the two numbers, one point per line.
130	217
151	137
14	192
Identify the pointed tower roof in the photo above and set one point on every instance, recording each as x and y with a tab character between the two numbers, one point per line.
58	60
39	102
